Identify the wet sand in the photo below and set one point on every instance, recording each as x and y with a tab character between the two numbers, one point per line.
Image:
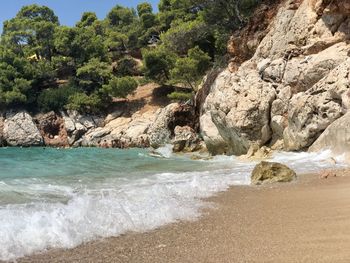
304	221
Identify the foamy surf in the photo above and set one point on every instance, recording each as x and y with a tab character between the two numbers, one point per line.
54	213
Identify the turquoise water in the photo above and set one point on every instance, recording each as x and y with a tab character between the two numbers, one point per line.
60	198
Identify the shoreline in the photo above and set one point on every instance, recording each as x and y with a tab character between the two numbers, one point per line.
302	221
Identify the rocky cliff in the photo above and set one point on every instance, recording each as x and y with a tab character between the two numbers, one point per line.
146	119
292	88
287	87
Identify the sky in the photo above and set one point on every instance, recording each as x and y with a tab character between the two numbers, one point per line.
68	11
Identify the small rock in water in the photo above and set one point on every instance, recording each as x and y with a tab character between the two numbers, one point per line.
270	172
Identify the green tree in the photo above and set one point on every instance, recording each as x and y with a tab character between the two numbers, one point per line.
120	16
55	98
31	31
87	19
190	70
93	75
144	8
82	102
183	36
120	87
158	63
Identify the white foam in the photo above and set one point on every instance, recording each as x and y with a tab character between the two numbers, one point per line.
115	206
166	151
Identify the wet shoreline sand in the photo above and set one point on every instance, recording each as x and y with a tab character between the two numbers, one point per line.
304	221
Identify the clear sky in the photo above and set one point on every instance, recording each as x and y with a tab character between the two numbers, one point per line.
68	11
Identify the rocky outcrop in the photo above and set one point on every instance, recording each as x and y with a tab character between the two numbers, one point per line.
52	129
239	105
20	130
77	125
336	137
269	172
162	129
122	132
293	87
311	112
185	140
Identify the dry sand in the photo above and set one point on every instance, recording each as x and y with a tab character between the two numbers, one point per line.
304	221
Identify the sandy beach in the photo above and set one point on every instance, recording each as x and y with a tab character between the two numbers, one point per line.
304	221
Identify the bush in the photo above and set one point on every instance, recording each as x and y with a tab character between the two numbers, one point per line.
120	87
126	67
180	96
55	98
85	103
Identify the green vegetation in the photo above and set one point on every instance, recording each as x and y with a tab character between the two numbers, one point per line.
45	66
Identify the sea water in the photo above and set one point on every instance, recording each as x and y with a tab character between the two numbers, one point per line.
60	198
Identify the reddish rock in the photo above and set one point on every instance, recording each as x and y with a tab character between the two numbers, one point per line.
52	128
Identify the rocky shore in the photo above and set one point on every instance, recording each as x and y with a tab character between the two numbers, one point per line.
286	88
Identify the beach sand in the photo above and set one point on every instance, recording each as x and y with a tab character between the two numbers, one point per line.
304	221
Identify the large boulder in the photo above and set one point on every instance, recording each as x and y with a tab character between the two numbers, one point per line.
240	106
159	132
215	144
336	137
20	130
270	172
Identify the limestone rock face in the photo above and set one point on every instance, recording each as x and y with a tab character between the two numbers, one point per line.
293	87
239	105
311	112
270	172
336	137
215	143
159	132
185	140
20	130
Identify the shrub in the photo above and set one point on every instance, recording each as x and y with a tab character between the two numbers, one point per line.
85	103
55	98
120	87
180	96
126	67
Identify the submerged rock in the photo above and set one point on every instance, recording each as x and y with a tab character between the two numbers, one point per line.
20	130
271	172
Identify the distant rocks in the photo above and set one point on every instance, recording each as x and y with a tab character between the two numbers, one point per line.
271	172
77	125
2	139
20	130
